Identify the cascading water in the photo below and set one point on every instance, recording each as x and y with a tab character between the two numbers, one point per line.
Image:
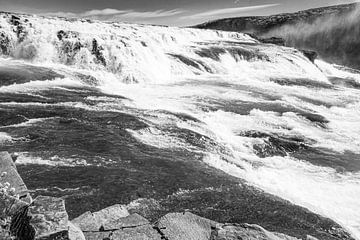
264	113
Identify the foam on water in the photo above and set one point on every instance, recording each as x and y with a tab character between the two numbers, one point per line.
321	189
26	158
4	137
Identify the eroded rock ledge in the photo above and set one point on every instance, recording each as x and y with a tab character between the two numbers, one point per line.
45	218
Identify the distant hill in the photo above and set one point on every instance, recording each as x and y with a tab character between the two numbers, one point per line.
334	32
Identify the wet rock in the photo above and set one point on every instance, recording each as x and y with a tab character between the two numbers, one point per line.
97	51
49	219
179	226
20	225
311	55
19	27
14	156
5	43
62	35
93	222
245	232
15	20
273	40
12	177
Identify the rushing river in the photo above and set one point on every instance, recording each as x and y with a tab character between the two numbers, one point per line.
118	111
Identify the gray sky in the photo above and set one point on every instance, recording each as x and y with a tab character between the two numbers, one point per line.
167	12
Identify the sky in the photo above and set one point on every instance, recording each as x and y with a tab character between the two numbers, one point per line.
163	12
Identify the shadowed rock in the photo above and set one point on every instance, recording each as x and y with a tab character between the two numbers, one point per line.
311	55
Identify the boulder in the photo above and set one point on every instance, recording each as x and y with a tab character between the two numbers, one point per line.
115	223
311	55
179	226
93	222
245	232
49	219
7	166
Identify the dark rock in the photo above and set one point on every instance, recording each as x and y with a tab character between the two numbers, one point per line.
20	225
97	51
5	43
14	156
15	20
61	35
311	55
179	226
273	40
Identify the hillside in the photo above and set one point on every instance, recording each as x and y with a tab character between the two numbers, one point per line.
331	31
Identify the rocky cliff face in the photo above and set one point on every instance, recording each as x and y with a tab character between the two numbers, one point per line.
331	31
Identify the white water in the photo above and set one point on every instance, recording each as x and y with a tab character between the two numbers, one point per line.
135	53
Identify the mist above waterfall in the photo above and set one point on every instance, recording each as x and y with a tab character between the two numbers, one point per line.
336	37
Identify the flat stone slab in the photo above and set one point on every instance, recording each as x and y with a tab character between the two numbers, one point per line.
75	233
246	232
180	226
146	232
93	222
49	218
131	221
12	176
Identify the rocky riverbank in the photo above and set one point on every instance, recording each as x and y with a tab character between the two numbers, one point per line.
46	218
